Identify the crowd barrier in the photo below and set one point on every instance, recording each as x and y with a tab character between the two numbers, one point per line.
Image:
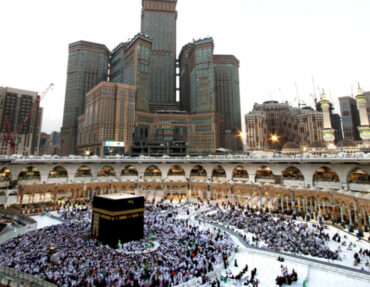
31	225
312	263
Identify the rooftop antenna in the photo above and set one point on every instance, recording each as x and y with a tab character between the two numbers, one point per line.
351	90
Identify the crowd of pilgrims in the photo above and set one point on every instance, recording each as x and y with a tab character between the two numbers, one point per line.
285	277
273	232
67	255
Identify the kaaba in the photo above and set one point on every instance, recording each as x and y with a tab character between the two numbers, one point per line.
117	218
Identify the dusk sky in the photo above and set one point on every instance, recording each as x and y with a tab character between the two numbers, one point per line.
281	44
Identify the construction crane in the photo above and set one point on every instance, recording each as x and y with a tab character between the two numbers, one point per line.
10	137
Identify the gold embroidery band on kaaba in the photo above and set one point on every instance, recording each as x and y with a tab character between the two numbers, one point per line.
117	213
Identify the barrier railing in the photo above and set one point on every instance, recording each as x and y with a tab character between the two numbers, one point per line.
305	281
18	230
22	278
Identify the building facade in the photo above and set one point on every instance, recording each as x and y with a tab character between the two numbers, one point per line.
197	86
117	63
158	22
227	94
271	125
137	70
210	83
87	66
256	130
21	114
109	117
350	118
200	132
45	144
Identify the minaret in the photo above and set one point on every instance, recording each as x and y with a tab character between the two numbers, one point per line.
364	127
327	131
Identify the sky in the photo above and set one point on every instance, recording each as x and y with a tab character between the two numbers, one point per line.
288	49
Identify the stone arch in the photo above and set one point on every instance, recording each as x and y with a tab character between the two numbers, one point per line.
325	173
198	172
152	172
240	174
29	173
358	175
129	170
176	170
292	173
5	174
264	174
218	174
58	172
83	171
106	171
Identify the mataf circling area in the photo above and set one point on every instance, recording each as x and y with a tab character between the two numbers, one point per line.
66	255
183	246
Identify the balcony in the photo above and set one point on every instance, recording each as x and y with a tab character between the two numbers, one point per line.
4	183
129	177
153	177
28	180
359	186
327	184
265	179
219	179
293	182
57	179
241	178
176	178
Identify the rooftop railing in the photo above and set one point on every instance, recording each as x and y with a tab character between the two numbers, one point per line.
360	156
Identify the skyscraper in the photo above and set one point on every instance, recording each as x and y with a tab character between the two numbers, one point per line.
158	21
202	89
109	116
87	67
117	63
148	64
226	73
15	106
350	118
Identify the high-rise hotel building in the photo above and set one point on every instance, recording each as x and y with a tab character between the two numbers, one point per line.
158	22
209	83
227	97
87	66
207	116
109	117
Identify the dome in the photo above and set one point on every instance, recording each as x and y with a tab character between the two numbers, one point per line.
291	145
318	144
346	143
